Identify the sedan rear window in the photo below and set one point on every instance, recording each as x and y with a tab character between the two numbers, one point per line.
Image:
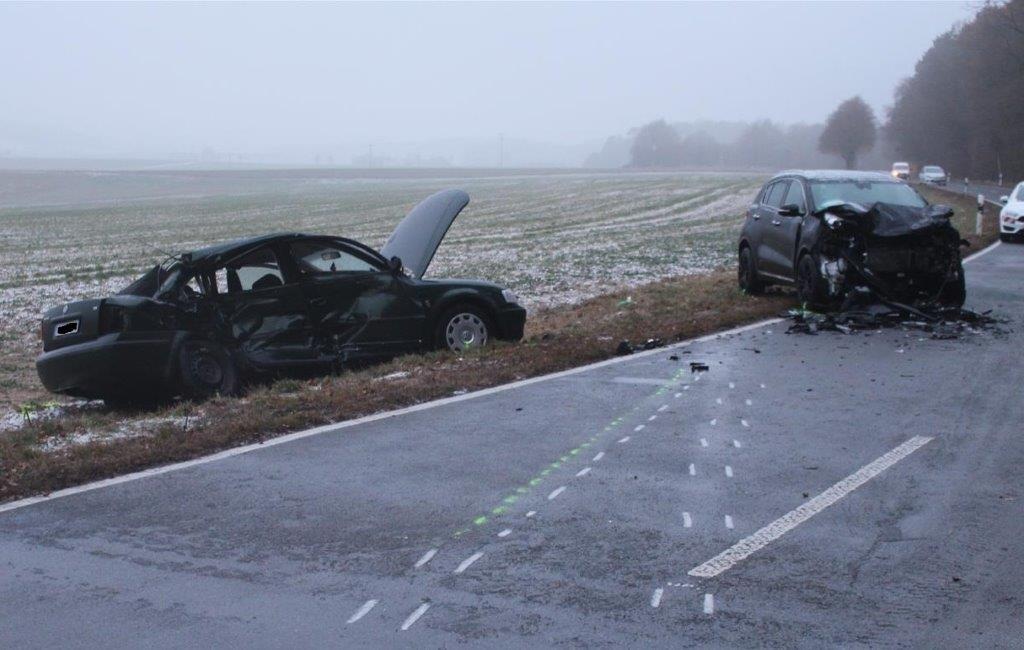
866	193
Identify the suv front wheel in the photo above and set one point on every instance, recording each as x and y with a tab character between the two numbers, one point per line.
811	287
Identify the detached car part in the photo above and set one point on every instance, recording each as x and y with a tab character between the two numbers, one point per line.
199	323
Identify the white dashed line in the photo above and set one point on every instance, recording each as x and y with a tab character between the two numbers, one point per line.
638	427
361	612
623	439
718	400
749	402
468	561
556	492
762	385
663	407
703	442
427	557
728	522
583	472
693	470
787	522
505	533
656	597
732	385
678	395
744	423
652	418
599	456
531	513
687	520
709	604
736	444
686	388
415	616
714	421
728	471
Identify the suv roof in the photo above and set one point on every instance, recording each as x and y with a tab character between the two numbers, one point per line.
836	175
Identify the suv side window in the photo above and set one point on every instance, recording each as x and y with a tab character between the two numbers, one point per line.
795	195
774	197
321	257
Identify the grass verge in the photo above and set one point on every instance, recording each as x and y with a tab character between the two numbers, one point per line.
557	339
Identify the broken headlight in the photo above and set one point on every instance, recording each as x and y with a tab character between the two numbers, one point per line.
510	296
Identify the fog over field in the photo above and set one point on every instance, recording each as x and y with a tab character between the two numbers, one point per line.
460	84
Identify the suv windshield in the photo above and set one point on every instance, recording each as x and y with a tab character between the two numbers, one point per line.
932	170
866	193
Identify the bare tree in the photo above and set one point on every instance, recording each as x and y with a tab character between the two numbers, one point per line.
850	129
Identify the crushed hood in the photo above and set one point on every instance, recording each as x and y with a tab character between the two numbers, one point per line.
417	236
890	220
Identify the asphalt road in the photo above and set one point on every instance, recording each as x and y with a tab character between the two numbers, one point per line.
875	479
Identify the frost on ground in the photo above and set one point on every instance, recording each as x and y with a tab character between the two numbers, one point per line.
554	238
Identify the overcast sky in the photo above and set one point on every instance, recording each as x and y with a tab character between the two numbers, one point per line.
145	79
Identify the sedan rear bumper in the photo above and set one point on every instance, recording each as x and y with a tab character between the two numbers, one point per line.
112	365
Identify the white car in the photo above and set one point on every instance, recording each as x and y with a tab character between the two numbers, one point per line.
933	174
1011	217
901	170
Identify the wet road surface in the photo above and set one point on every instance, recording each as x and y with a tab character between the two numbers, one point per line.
809	491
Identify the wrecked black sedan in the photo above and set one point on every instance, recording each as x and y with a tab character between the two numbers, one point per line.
836	234
201	322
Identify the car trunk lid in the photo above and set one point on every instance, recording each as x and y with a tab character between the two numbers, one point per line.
75	322
417	236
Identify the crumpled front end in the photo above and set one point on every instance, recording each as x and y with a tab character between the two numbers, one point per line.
902	254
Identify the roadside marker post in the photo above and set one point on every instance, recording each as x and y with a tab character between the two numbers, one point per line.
981	212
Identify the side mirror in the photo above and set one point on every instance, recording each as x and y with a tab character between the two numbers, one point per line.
1004	199
395	264
791	210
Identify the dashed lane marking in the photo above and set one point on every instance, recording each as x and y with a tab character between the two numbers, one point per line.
505	533
709	604
415	616
714	421
687	520
531	513
598	457
465	564
652	418
427	557
693	470
744	423
663	407
787	522
749	402
703	442
361	612
718	400
583	472
736	444
728	522
656	597
624	439
554	493
728	471
638	427
732	385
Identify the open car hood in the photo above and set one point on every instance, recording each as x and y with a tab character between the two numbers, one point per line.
417	236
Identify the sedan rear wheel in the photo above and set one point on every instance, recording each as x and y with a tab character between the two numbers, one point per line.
206	369
464	327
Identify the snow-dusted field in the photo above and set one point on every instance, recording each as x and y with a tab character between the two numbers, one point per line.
553	238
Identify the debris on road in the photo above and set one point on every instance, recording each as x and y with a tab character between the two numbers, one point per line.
698	366
625	347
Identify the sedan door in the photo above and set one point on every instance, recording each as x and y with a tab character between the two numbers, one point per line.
357	308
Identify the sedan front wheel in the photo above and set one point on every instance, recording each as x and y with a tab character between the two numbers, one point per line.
463	327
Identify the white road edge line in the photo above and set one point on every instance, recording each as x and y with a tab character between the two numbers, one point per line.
415	616
427	557
656	597
468	561
375	417
361	612
787	522
298	435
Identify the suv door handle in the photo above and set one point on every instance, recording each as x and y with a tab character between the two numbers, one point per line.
776	222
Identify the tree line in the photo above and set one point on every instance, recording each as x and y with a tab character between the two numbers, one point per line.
963	109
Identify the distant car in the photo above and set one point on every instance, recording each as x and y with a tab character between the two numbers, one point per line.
1011	216
829	232
933	174
901	170
201	322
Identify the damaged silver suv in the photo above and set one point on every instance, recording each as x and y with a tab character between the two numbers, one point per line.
833	234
